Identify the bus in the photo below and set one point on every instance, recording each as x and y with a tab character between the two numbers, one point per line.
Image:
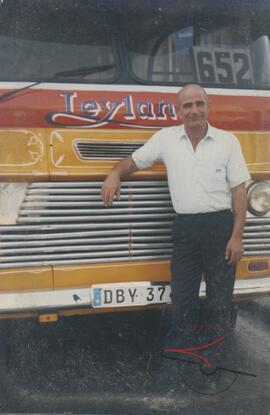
82	85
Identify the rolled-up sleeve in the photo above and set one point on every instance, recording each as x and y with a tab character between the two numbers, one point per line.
150	152
237	171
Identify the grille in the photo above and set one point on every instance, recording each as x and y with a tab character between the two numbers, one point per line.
88	150
257	236
67	223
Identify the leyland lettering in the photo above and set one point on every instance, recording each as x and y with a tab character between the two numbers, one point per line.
99	113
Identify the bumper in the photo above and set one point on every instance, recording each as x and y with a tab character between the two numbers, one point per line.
54	300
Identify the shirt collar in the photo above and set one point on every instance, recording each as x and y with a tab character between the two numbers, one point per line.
209	134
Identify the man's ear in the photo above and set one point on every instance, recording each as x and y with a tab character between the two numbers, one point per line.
178	112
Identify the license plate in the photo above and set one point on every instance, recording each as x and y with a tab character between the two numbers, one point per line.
130	294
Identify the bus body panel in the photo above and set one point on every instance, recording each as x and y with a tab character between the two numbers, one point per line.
74	102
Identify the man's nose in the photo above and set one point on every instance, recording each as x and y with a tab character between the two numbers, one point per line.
195	108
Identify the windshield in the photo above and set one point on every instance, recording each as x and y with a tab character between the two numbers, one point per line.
214	45
163	42
40	39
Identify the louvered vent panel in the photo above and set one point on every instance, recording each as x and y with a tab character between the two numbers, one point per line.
88	150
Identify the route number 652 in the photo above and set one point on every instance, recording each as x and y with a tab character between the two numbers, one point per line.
223	65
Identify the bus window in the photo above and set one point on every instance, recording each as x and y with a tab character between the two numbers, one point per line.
210	46
42	39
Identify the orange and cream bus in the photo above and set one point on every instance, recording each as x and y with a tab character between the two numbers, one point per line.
85	83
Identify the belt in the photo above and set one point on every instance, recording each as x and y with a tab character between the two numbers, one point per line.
214	213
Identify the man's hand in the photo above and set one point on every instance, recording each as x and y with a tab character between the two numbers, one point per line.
111	188
112	184
234	250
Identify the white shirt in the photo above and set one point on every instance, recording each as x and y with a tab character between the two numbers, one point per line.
200	180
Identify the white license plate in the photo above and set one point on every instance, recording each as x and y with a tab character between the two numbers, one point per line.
130	294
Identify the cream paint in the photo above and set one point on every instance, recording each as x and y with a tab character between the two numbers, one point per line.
11	197
132	88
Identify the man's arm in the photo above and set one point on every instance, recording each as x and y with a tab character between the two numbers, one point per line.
235	248
112	184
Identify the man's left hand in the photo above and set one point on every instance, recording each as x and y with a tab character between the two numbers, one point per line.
234	250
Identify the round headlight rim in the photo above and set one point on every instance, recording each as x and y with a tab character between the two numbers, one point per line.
249	189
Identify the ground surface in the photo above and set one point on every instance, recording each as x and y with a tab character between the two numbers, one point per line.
112	364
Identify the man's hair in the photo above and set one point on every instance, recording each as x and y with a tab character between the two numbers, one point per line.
187	87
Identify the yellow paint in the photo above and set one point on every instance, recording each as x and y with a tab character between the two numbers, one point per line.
31	154
26	279
242	271
23	154
64	160
256	148
86	275
35	279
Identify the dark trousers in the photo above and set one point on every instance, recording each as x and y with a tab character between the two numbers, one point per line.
199	242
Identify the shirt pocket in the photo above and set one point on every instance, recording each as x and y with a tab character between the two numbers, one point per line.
215	178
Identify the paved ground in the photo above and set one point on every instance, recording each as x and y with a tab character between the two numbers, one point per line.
112	364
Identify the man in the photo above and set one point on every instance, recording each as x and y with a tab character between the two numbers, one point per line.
206	174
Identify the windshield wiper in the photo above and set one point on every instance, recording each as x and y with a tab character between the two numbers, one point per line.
73	72
16	91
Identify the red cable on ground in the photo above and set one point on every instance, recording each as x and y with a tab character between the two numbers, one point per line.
188	350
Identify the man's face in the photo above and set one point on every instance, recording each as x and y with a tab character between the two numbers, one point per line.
193	107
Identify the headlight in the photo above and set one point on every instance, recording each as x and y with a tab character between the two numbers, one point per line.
259	198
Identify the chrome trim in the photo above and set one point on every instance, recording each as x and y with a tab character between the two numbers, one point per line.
254	253
54	185
251	187
86	261
118	203
82	241
48	219
96	226
109	150
102	211
76	298
64	198
82	233
108	248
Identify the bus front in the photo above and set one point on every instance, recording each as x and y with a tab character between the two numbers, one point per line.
80	88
